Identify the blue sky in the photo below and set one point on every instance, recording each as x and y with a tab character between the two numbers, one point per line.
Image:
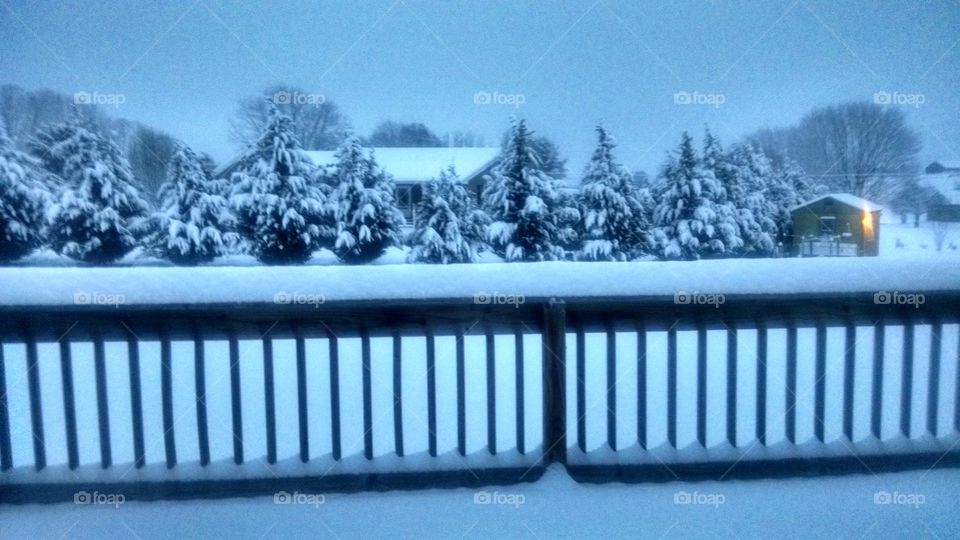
182	65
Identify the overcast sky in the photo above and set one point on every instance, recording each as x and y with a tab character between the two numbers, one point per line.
182	65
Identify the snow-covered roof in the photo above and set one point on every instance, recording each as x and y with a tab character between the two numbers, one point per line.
409	165
844	198
948	164
947	185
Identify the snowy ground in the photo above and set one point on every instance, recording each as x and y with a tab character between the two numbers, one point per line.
915	504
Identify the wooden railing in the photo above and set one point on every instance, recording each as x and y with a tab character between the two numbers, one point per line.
207	400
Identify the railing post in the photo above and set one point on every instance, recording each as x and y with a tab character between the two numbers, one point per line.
554	378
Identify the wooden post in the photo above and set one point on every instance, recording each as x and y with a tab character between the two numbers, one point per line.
554	382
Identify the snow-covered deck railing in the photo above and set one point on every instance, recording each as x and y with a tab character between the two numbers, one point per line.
194	382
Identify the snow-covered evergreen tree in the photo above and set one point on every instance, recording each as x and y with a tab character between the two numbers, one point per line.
367	218
691	220
614	222
99	205
449	228
750	174
23	199
193	223
788	187
283	214
524	204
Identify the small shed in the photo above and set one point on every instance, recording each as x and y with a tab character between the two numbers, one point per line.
837	225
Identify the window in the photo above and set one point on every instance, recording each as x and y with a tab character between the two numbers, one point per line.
828	225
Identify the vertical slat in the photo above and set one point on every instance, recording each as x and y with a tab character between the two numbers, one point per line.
518	355
701	384
166	391
367	396
491	393
200	379
334	349
269	399
791	392
906	388
397	395
36	408
136	401
554	359
103	413
672	387
762	384
6	454
236	411
732	385
581	388
956	394
611	386
876	408
820	386
461	397
933	379
302	396
641	385
69	404
431	393
849	374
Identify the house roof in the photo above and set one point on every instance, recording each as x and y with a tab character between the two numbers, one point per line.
946	184
411	165
843	198
954	165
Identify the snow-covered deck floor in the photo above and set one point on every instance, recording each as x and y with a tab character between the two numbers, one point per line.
915	504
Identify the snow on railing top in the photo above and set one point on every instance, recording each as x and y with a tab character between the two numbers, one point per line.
153	286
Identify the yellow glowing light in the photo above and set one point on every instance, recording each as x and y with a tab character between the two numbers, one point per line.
867	221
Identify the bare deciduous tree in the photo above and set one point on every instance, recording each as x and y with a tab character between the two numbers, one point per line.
857	147
318	122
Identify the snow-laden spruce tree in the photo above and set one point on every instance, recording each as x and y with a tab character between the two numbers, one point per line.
23	200
743	174
194	220
750	173
99	206
614	222
367	218
691	221
524	204
449	228
283	215
788	187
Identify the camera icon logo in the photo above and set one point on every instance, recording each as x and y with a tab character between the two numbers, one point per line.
482	298
682	98
282	297
282	497
82	98
482	497
82	497
882	298
882	98
682	297
682	497
882	497
482	98
282	97
81	298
